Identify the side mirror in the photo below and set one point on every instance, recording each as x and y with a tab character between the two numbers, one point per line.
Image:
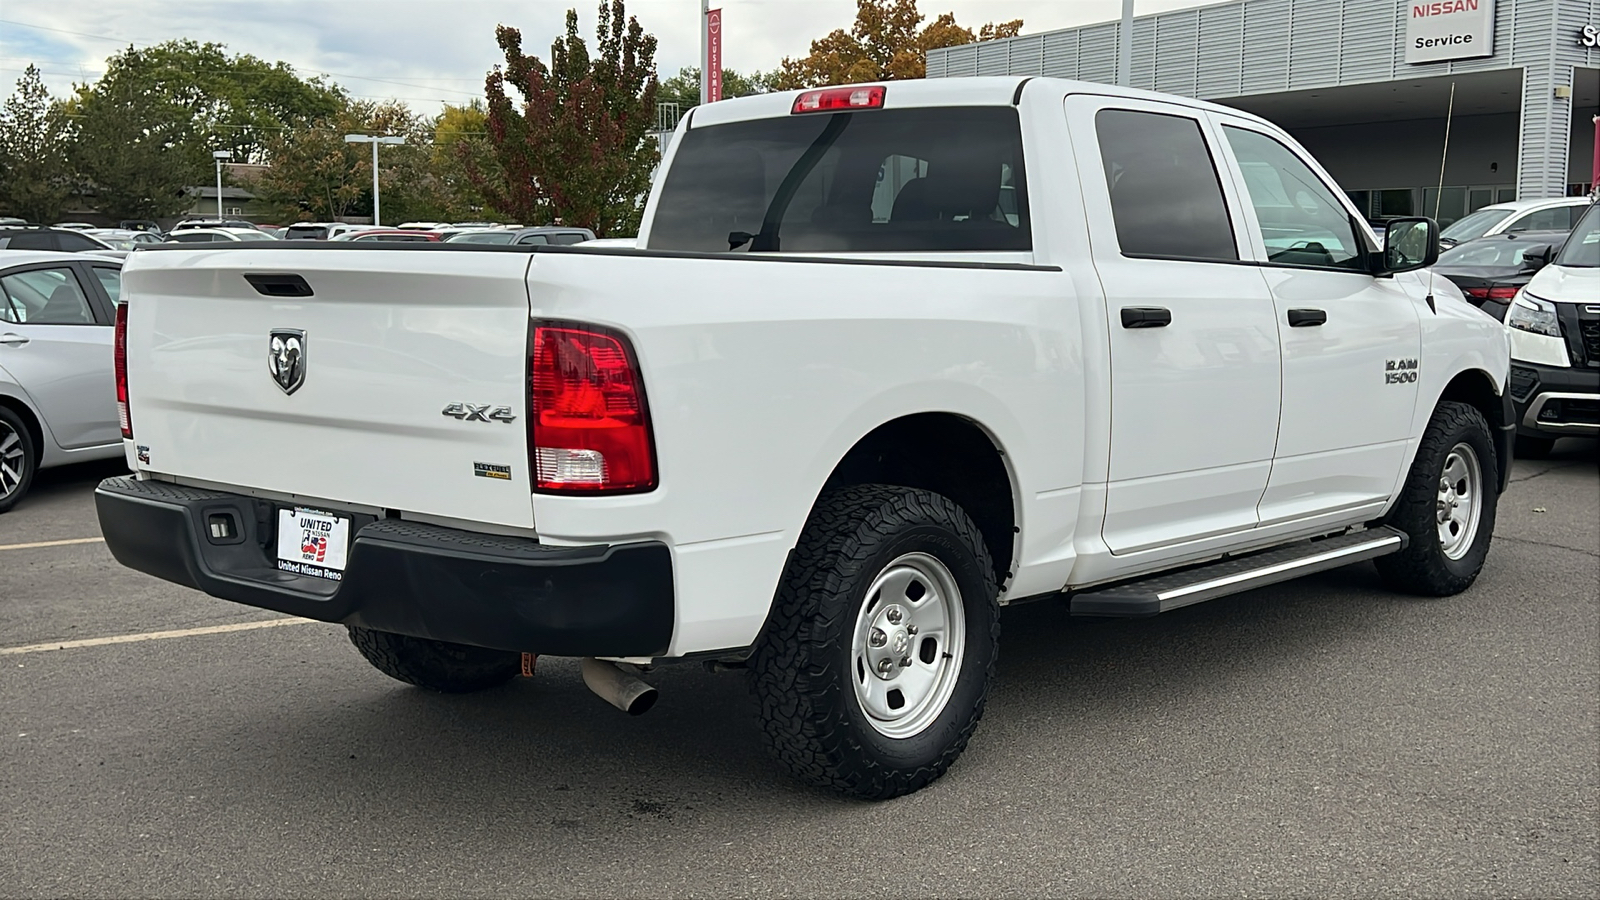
1409	244
1537	257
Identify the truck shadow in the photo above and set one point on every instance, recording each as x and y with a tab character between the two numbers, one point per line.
557	759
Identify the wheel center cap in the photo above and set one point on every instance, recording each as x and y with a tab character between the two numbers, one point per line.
900	641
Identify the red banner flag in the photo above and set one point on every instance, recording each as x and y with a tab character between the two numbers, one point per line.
713	55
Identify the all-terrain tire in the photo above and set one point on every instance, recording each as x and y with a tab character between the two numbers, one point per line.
802	666
1423	567
435	665
20	458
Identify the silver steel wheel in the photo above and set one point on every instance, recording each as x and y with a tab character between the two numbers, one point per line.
13	460
910	638
1460	501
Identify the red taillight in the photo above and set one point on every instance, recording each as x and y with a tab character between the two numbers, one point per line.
120	364
1502	293
588	425
1481	293
832	99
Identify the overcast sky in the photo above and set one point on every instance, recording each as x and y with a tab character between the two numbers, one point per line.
427	52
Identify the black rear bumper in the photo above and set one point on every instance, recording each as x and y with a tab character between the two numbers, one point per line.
405	577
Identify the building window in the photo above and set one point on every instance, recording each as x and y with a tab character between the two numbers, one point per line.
1398	202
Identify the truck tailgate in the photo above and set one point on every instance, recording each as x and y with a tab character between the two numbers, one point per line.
392	339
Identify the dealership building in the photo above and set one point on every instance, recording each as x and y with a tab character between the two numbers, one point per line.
1366	86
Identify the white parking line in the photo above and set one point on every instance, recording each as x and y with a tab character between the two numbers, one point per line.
152	636
93	540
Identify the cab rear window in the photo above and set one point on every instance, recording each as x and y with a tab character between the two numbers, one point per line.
943	179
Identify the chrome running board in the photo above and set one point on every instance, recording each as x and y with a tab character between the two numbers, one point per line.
1231	576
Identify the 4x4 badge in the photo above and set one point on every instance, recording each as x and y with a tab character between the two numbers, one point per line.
286	358
472	412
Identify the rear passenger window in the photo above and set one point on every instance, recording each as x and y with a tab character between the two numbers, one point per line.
532	239
1560	218
1165	196
568	237
47	297
32	240
77	243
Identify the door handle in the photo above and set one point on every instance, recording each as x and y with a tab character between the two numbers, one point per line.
12	340
1146	317
1302	318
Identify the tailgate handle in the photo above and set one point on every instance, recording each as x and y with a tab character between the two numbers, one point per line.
279	285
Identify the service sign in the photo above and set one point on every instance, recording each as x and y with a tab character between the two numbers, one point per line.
1439	30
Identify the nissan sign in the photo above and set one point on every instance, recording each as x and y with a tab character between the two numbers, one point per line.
1439	30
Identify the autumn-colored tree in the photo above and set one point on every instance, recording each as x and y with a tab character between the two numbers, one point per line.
886	43
576	146
35	178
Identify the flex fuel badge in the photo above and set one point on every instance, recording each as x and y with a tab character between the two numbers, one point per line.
490	470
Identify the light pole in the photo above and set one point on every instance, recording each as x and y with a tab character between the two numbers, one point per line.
1125	46
374	140
219	156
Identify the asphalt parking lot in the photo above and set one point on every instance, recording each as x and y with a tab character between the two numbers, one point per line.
1322	737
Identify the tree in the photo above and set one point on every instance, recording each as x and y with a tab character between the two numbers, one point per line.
148	126
460	143
315	175
883	45
576	147
684	87
35	179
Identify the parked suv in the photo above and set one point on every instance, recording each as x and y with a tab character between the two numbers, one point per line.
1555	344
58	401
39	237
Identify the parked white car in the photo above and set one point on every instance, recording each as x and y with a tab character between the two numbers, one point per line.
217	235
57	391
886	358
1554	214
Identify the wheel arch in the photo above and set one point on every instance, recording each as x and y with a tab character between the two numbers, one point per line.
949	454
1477	388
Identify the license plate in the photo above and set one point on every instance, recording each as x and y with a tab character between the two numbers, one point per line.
313	542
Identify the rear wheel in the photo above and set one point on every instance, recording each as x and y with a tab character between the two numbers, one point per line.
435	665
1447	506
18	459
873	671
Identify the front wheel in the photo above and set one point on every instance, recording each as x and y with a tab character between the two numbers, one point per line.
873	670
1446	507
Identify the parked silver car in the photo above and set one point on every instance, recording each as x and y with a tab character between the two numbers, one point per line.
58	399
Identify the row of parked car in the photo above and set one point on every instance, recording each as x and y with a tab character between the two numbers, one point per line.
80	237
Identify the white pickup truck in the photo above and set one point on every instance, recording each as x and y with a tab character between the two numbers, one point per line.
886	359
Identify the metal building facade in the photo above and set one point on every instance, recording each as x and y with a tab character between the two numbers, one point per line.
1232	52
